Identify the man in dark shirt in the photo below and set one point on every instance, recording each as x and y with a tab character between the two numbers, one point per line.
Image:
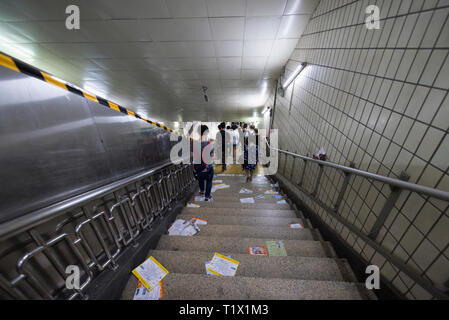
223	141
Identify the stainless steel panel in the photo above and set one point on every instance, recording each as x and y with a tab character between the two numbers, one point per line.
55	144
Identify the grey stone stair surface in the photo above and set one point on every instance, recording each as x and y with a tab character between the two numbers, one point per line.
234	189
264	232
300	248
238	205
309	270
245	220
236	198
290	267
180	286
239	212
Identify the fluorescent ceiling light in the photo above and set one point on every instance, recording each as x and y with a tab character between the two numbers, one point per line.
265	110
294	74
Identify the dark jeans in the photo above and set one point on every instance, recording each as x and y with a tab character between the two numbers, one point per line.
205	178
223	162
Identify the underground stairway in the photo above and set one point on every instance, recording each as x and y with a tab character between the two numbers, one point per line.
99	98
310	270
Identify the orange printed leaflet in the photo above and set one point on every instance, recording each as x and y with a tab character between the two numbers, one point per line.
257	251
142	293
199	220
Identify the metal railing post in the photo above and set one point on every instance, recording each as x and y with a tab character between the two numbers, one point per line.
284	168
388	206
318	179
293	167
343	187
303	173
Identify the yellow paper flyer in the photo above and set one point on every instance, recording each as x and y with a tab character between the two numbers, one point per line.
150	273
223	266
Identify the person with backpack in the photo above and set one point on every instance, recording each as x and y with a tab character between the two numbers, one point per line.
203	167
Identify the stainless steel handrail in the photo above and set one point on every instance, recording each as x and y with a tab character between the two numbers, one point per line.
380	220
34	218
106	221
432	192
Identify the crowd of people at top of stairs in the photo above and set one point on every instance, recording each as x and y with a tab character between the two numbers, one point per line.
228	138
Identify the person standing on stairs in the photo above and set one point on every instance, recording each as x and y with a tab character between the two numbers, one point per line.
203	154
222	140
256	132
235	141
250	155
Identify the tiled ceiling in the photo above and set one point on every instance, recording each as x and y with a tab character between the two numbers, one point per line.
154	56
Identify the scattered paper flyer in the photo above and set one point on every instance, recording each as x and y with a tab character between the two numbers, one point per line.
247	200
221	186
199	199
199	221
183	228
243	190
142	293
222	266
192	205
150	273
260	196
217	181
257	251
276	248
277	196
281	202
296	226
275	185
177	227
207	263
271	192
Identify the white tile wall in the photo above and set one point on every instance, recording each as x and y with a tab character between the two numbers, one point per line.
378	98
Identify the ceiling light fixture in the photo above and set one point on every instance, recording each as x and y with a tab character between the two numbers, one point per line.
294	74
266	110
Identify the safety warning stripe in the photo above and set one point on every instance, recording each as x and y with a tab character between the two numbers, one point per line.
19	66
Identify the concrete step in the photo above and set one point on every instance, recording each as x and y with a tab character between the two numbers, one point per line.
237	197
262	232
232	245
237	186
178	286
248	185
242	178
238	205
240	212
244	220
290	267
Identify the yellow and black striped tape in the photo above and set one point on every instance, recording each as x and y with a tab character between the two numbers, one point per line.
22	67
